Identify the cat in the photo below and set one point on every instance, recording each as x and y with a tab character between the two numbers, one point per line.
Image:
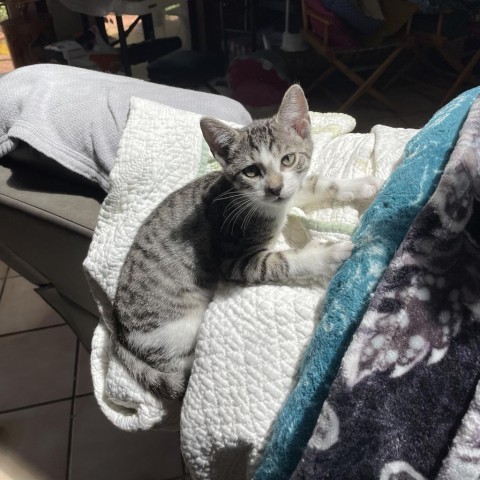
221	227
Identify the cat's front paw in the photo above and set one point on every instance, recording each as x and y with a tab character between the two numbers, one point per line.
340	251
360	189
324	260
370	187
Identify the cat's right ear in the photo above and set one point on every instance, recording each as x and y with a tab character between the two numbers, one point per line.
220	138
293	112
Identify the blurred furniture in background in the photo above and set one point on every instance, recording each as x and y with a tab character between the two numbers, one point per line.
455	37
187	69
351	52
150	48
27	31
259	80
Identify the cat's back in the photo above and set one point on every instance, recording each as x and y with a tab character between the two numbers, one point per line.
174	241
185	207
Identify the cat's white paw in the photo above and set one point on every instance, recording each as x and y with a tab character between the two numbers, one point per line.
360	189
324	260
369	188
341	251
346	196
338	253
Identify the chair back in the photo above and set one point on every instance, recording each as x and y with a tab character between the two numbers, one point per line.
327	26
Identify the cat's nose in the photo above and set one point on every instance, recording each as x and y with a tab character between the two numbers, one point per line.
274	190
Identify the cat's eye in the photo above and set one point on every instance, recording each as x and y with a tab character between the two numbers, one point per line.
251	171
288	160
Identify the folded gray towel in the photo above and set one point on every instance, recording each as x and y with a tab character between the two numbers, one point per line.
76	116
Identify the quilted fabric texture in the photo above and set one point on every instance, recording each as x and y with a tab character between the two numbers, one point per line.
252	339
160	150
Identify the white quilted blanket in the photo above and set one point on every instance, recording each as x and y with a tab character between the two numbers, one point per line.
160	150
252	338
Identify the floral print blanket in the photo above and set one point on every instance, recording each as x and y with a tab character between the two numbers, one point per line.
411	370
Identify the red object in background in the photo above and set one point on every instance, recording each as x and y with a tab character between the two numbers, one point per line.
256	82
339	33
107	62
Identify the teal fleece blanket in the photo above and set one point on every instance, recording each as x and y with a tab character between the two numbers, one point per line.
376	240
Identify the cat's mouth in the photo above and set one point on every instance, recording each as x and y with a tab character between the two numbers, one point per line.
276	200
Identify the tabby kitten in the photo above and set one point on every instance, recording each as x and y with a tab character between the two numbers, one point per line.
220	226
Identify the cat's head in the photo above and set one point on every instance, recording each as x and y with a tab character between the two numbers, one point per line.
268	159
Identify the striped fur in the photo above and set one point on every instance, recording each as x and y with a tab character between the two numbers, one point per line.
217	227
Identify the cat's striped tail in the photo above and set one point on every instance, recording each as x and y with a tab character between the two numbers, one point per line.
168	385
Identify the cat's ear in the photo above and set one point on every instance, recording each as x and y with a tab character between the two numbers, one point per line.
219	137
293	112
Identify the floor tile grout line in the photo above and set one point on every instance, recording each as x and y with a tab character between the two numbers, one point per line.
7	274
72	410
43	404
31	330
4	283
40	404
82	395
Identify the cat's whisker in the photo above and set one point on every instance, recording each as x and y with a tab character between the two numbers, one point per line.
249	204
257	210
235	201
248	215
245	207
233	197
225	192
237	206
233	205
252	213
239	212
228	194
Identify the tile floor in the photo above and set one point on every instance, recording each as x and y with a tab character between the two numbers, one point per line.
50	425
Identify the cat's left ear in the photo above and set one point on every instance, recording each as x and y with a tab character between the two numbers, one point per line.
220	138
293	112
